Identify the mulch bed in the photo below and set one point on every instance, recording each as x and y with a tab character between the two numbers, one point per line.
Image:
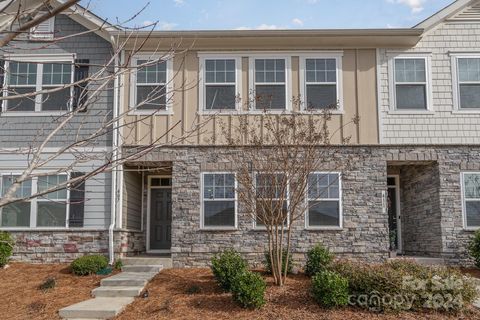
170	297
20	297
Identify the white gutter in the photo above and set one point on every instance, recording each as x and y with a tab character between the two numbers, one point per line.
111	249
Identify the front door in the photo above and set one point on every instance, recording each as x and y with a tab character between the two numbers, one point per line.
394	222
160	219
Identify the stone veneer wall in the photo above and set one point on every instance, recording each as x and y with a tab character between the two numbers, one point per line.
365	232
66	245
420	210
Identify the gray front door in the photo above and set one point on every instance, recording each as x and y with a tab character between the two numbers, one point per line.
160	219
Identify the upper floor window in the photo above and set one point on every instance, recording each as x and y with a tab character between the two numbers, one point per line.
320	82
220	84
468	83
270	83
150	84
218	200
324	201
471	199
38	86
410	83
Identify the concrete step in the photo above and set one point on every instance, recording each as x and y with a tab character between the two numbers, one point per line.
147	261
98	308
128	279
141	268
117	291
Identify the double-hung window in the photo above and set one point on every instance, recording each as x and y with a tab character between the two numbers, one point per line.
324	201
468	83
220	87
471	199
321	83
150	90
49	210
50	80
272	191
218	200
410	83
270	83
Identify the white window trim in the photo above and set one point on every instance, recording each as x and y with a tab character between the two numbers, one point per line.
340	205
288	81
392	83
40	59
168	58
263	228
464	201
338	56
456	82
34	205
202	84
202	187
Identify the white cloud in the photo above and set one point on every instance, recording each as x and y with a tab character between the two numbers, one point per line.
179	3
415	5
297	21
163	25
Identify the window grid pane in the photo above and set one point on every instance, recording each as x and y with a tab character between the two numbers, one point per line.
25	189
410	70
469	69
152	73
49	182
220	71
324	186
269	186
270	70
56	74
219	186
321	70
22	74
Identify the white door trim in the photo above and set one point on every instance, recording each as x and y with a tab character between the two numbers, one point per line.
149	189
398	213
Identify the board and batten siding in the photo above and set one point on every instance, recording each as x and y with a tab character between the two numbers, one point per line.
132	200
444	125
97	189
359	96
25	131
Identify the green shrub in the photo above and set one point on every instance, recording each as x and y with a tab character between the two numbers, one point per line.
226	266
318	259
6	247
248	290
89	264
118	264
268	263
330	289
474	248
403	285
48	284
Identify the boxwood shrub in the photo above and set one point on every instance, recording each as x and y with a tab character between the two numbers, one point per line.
90	264
319	259
474	248
330	289
404	285
226	266
6	248
248	290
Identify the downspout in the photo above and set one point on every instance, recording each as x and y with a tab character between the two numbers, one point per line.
115	155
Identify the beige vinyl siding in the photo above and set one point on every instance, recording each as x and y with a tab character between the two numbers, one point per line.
359	82
132	200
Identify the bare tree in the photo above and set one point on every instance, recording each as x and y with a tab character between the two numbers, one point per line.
279	154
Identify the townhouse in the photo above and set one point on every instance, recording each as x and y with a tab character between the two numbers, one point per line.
414	184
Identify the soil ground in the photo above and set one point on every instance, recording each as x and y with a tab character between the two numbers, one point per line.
21	298
194	294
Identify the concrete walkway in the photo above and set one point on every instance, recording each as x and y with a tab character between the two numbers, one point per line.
118	291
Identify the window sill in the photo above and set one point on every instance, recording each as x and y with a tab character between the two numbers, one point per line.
219	112
32	113
220	229
466	111
150	113
471	229
324	229
411	112
319	112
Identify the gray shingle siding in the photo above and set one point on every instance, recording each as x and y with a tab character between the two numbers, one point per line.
18	131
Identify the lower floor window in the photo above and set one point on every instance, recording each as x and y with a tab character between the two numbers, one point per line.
471	198
219	200
324	201
48	210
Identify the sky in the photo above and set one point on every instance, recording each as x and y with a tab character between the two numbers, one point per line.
266	14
